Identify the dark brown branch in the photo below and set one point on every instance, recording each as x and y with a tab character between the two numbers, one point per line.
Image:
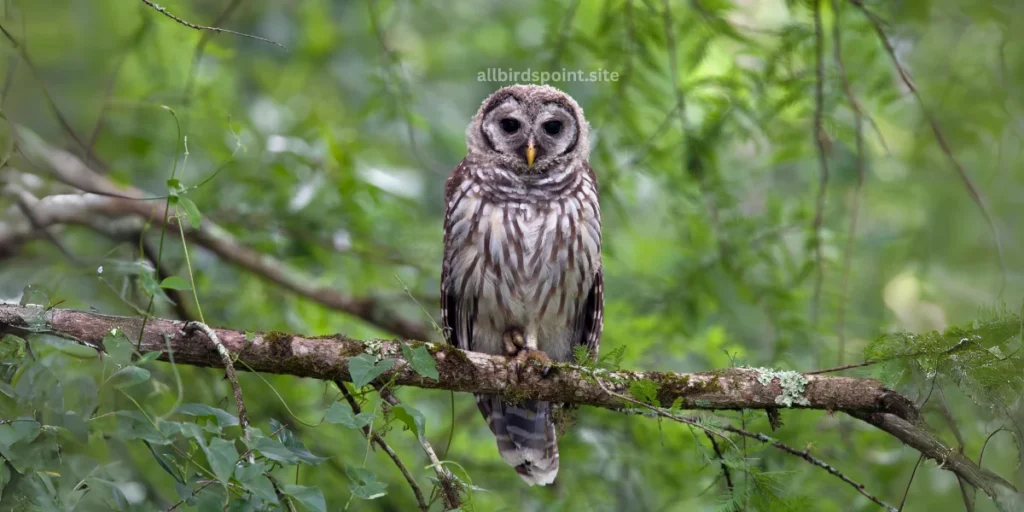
1001	491
326	358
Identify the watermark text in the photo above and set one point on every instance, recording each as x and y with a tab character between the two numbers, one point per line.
529	75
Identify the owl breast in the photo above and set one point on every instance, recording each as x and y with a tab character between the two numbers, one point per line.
527	254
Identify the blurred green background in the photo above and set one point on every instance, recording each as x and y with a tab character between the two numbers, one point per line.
333	155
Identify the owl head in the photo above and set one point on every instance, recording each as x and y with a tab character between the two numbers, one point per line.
529	129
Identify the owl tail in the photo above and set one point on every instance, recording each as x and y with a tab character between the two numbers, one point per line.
526	436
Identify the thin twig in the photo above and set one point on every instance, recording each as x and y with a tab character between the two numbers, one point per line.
384	446
401	93
823	176
563	34
150	253
229	367
201	47
26	202
188	24
975	194
843	367
50	102
721	457
906	492
860	164
194	493
803	454
450	486
673	69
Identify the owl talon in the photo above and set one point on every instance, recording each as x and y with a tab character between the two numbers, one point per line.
540	358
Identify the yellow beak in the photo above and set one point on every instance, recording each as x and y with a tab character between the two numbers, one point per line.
531	153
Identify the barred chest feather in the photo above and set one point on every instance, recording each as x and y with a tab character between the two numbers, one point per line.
527	250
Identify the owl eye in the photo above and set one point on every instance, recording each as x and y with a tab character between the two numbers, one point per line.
552	127
509	125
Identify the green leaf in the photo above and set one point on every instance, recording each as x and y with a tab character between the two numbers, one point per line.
412	418
77	351
161	460
128	376
5	476
133	425
17	430
222	456
274	450
287	438
118	348
342	414
364	368
175	283
191	211
32	295
364	483
422	362
148	357
253	480
222	417
309	497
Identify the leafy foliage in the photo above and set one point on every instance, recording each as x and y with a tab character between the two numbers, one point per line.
330	157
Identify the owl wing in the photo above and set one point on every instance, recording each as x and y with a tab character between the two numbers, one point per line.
590	318
456	314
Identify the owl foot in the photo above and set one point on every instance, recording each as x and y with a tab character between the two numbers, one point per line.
538	357
515	347
513	341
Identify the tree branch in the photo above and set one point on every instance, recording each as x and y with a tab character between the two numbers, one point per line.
327	358
128	211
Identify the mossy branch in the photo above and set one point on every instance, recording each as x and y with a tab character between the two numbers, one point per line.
327	357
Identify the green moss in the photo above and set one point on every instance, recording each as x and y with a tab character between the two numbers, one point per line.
714	385
350	350
675	386
278	343
514	394
311	365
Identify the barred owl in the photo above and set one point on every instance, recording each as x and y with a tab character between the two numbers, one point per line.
522	271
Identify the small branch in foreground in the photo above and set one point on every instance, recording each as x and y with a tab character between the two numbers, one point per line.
188	24
229	368
422	503
326	358
449	484
721	457
806	455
